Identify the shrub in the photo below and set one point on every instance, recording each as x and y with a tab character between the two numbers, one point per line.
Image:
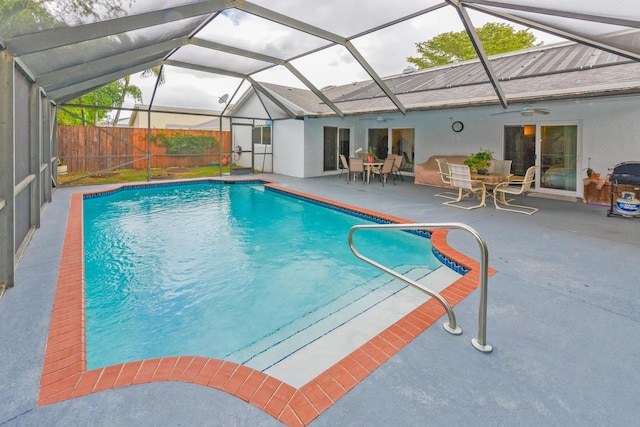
185	144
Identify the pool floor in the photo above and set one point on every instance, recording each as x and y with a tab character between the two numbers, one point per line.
295	398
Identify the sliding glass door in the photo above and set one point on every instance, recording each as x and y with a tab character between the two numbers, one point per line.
520	147
402	142
553	148
558	157
336	141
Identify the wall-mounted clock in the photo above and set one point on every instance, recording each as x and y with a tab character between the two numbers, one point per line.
457	126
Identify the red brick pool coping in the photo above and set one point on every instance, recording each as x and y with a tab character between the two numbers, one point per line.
65	376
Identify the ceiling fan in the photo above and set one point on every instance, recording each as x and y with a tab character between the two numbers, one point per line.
527	111
380	119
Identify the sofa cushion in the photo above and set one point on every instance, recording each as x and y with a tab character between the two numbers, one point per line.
427	173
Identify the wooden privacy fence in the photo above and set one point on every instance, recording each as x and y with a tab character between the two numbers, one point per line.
89	149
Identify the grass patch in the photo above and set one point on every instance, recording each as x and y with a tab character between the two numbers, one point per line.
136	175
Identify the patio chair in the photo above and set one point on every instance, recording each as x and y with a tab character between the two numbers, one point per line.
396	166
356	167
514	188
345	166
386	170
460	176
501	167
443	167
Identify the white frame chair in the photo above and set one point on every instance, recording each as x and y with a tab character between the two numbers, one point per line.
515	188
460	176
501	167
443	167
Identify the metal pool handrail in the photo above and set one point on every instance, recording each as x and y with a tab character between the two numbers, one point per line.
451	327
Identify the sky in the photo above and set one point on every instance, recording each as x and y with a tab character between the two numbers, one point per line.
385	50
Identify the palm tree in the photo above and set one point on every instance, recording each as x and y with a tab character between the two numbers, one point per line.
134	91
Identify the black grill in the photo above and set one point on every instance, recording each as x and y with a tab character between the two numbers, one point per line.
626	173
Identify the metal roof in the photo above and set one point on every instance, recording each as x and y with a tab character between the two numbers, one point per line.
538	61
566	70
70	47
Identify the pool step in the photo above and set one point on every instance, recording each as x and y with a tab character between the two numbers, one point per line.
275	347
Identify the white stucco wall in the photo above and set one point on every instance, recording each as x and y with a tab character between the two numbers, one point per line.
608	131
289	153
165	120
262	157
251	107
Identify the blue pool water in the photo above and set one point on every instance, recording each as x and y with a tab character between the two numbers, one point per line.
227	271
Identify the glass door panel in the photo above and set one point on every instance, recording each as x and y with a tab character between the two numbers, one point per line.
330	148
344	147
553	148
558	157
520	147
379	140
403	145
336	141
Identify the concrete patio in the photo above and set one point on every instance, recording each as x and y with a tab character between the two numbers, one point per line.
563	320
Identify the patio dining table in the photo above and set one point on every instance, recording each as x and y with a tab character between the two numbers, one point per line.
490	179
369	166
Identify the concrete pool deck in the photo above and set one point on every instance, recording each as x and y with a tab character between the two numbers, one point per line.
563	321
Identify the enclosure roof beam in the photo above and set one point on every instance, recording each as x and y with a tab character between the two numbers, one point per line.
560	33
271	59
319	32
376	78
258	87
204	68
477	45
59	78
552	12
292	23
314	89
73	91
57	37
234	50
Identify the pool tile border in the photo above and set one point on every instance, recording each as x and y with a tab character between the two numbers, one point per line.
64	373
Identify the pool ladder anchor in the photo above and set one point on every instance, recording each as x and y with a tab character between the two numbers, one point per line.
479	343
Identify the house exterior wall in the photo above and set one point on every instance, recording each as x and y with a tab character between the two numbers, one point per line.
608	133
608	130
289	147
139	119
250	106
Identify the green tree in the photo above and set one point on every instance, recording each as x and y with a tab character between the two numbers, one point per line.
107	95
126	89
111	95
451	47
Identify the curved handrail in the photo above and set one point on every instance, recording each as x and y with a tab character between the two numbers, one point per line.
480	342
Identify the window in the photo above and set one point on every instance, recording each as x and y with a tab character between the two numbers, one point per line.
262	135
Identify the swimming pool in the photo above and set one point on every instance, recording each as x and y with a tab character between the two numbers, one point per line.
228	271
